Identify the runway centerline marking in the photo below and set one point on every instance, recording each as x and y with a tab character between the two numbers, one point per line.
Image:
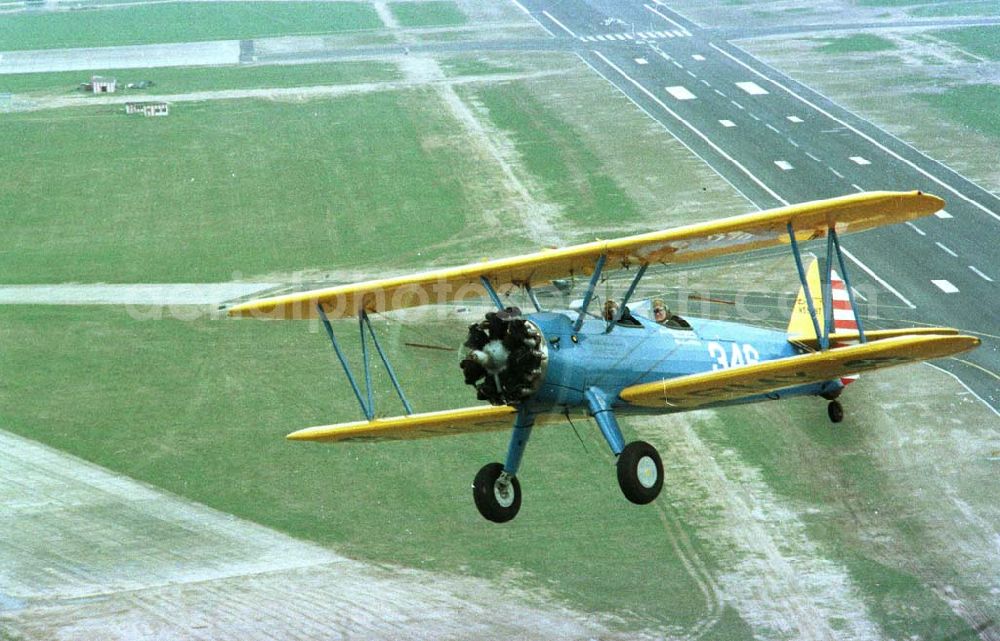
835	172
737	105
792	143
946	250
677	64
980	274
892	153
754	117
915	228
558	24
680	93
727	123
705	82
945	286
856	187
691	73
772	127
813	157
860	161
720	93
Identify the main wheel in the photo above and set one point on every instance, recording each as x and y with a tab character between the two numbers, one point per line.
497	494
835	411
640	472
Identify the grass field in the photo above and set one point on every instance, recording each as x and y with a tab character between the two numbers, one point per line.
186	79
181	22
859	43
180	189
428	14
971	105
979	41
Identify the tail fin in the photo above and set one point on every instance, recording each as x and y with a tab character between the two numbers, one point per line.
800	324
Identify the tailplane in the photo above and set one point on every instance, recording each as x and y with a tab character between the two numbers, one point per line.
844	321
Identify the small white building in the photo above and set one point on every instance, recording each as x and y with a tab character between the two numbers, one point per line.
156	109
100	84
148	109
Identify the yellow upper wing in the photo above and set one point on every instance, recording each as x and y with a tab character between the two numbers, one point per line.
748	232
696	390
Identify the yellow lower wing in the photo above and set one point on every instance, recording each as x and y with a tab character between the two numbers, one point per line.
486	418
697	390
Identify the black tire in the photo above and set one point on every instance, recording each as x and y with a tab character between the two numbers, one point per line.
835	411
635	472
491	500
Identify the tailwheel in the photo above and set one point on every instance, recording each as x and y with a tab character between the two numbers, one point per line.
497	493
835	411
640	472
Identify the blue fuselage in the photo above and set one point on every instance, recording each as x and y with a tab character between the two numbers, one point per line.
630	355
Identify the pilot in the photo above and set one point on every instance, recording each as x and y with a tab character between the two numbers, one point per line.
663	315
610	310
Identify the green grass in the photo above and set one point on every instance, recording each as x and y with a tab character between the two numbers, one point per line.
896	3
846	492
476	66
980	8
185	79
552	152
442	13
858	43
181	22
980	41
971	105
230	186
200	409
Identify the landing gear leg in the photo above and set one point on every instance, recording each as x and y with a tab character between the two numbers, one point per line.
835	411
640	470
496	490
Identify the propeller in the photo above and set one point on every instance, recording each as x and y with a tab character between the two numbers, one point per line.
505	357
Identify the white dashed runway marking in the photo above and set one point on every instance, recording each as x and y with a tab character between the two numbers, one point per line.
860	161
943	214
980	274
915	228
946	250
945	286
697	56
794	119
752	88
727	123
641	61
680	93
783	165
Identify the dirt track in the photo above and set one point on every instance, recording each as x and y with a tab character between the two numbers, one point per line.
91	555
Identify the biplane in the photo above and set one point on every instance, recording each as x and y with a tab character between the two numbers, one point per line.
535	368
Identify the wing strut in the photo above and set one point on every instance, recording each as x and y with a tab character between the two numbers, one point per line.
367	408
488	286
627	296
823	340
594	279
826	284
